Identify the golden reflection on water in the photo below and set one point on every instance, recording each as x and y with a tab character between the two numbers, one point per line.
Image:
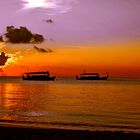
69	97
10	98
93	103
18	97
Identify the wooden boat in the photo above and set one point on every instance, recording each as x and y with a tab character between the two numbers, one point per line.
91	76
40	76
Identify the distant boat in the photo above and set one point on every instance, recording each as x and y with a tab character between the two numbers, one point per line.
40	76
91	76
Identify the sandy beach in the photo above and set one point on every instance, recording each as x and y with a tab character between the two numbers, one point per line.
22	133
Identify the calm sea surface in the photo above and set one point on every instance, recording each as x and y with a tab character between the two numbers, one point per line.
67	103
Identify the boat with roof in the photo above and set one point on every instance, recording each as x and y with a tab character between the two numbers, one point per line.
91	76
40	76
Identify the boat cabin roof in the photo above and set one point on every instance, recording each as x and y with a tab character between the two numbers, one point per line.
94	74
37	72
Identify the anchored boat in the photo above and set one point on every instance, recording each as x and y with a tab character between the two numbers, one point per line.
40	76
91	76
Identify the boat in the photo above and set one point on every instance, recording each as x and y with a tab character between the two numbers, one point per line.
40	76
91	76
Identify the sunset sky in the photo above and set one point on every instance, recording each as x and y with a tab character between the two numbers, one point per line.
91	35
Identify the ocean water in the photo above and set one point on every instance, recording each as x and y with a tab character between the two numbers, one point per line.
71	104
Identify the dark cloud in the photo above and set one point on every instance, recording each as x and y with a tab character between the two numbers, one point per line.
3	59
49	20
49	50
1	39
22	35
51	39
42	50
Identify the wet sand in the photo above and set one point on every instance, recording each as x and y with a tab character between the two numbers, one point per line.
21	133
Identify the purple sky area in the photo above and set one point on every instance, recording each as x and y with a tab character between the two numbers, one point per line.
76	21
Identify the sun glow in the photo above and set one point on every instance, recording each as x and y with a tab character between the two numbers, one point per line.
51	7
38	4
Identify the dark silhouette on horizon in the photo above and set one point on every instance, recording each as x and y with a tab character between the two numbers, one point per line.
3	59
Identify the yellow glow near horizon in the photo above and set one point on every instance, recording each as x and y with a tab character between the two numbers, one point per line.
119	59
38	3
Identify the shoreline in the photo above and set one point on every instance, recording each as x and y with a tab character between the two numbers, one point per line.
30	133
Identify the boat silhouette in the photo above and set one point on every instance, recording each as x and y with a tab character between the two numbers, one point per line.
91	76
40	76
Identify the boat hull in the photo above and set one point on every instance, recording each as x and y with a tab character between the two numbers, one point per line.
39	78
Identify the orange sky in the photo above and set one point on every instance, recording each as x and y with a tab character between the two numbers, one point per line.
118	59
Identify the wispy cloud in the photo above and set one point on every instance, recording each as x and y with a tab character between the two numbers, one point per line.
42	50
51	6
